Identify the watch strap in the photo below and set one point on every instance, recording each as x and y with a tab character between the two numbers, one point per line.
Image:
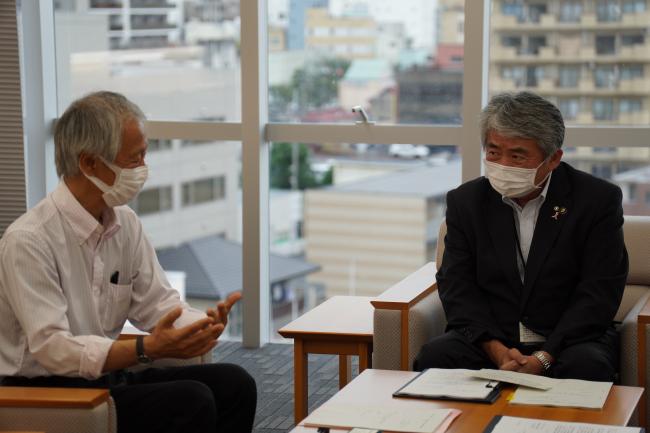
543	359
139	350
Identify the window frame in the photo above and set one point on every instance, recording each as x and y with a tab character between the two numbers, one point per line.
255	132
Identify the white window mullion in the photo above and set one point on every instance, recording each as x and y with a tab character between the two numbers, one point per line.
255	173
475	71
361	133
39	97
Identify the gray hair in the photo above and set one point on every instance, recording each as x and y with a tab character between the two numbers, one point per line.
524	115
93	125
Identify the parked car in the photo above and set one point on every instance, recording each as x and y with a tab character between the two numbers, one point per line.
408	151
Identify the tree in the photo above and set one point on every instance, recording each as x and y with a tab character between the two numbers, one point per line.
281	163
313	86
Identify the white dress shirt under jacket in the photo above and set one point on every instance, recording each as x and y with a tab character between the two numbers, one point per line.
59	311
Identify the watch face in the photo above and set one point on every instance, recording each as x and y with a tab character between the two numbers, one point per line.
144	359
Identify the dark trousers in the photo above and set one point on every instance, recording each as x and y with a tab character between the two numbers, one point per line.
593	360
193	399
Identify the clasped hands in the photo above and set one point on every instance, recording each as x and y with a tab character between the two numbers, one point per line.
192	340
512	359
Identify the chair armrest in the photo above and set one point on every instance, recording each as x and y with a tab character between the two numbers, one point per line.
19	396
406	316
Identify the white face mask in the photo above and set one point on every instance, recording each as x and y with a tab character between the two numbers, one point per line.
128	183
512	182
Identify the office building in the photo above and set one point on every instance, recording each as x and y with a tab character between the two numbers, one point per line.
297	21
388	224
134	23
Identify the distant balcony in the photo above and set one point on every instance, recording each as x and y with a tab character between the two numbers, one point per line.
152	26
504	21
548	53
547	20
151	4
636	20
546	85
636	85
587	53
500	53
586	85
584	117
589	20
108	4
635	52
498	85
637	118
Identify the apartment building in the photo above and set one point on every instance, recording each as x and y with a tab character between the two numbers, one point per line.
350	37
590	57
134	23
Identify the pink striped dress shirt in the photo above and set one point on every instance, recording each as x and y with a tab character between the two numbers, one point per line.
59	311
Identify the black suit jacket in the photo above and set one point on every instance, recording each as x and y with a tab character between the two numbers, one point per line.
575	272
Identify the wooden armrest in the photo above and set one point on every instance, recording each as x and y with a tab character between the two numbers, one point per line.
24	396
409	291
644	313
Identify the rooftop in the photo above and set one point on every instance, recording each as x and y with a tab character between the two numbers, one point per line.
213	266
424	181
639	175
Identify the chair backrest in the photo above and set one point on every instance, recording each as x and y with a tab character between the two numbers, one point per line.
636	230
440	246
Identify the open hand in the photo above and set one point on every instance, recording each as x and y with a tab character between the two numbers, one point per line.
192	340
220	314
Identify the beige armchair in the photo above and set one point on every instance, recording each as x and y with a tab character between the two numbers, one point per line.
410	313
67	410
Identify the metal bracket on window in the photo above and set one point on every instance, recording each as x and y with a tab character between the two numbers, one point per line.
364	116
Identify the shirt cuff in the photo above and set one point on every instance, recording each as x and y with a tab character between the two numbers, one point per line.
93	356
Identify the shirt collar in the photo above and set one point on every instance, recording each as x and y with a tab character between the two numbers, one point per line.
540	198
82	222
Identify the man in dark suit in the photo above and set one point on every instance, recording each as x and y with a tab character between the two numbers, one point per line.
534	264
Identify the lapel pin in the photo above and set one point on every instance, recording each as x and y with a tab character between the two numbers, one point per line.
559	210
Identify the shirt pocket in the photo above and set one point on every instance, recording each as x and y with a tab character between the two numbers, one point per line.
119	302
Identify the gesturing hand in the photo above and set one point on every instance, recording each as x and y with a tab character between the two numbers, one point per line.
220	315
192	340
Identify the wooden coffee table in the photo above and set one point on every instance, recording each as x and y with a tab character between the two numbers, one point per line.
342	326
377	387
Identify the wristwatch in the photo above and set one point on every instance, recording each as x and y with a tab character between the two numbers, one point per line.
543	359
139	350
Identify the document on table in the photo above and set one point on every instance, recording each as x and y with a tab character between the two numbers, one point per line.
454	384
509	424
566	393
382	417
523	379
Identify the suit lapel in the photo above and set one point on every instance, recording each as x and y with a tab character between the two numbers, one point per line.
547	228
501	225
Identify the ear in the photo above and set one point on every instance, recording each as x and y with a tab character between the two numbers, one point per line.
87	164
555	159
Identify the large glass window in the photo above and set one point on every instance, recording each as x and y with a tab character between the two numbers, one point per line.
191	211
402	67
384	203
627	167
179	60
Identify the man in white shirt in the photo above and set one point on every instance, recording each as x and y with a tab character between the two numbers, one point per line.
75	267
